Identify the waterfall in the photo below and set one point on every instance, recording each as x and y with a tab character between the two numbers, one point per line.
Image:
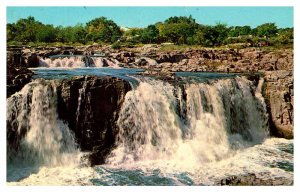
66	62
47	140
78	61
192	124
187	131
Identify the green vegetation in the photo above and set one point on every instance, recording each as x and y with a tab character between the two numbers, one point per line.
179	31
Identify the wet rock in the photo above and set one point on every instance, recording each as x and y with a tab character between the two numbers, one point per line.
90	106
124	57
141	62
30	60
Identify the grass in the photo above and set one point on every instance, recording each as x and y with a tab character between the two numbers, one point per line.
173	47
278	47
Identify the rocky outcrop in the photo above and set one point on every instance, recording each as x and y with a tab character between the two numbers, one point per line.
170	57
16	75
124	57
262	179
222	60
90	106
279	96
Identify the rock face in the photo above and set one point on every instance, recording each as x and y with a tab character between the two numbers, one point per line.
90	106
279	95
17	76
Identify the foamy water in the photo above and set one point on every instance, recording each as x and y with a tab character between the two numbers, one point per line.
265	159
192	134
78	62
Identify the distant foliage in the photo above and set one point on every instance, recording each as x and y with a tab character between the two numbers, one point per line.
24	30
266	30
177	30
239	31
212	35
103	30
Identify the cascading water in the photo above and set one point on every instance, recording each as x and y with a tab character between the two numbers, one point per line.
79	61
184	133
156	123
47	141
67	62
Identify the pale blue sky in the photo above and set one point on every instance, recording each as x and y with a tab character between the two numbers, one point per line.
143	16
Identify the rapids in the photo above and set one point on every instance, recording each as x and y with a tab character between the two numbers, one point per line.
78	61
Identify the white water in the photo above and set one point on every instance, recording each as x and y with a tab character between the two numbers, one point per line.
72	62
220	118
100	62
207	131
78	62
48	141
258	159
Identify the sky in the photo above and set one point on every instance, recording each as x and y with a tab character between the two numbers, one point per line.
144	16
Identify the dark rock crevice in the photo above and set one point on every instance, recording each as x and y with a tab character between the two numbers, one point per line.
92	114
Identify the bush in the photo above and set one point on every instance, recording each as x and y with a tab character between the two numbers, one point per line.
116	45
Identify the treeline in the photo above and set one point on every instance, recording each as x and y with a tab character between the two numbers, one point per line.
177	30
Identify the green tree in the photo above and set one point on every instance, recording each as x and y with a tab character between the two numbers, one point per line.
26	29
133	35
103	30
46	33
212	35
76	34
181	19
79	34
149	34
266	30
285	36
11	32
64	34
239	31
178	29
